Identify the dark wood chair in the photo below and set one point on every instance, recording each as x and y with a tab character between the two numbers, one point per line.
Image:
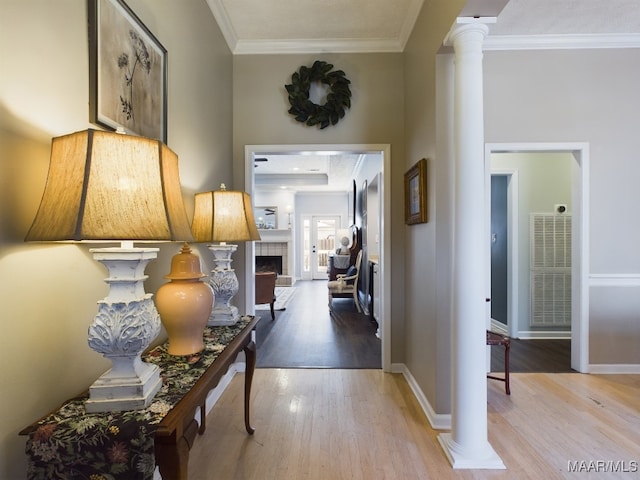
266	290
494	338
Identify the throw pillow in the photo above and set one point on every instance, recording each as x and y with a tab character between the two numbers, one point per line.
350	272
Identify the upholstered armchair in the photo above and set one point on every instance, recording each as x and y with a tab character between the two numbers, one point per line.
265	290
346	284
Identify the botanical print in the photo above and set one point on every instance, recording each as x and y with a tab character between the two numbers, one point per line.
130	74
141	61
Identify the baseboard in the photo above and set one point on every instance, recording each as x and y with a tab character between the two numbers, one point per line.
614	368
499	327
547	335
436	420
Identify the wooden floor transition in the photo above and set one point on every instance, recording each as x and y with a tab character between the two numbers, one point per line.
305	335
319	424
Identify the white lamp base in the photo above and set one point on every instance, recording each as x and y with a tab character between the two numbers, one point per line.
125	325
224	317
115	394
224	282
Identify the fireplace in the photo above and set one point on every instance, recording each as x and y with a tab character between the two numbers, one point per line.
269	263
274	256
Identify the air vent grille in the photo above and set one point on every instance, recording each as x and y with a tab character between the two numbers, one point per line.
550	266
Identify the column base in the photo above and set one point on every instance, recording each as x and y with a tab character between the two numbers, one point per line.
489	460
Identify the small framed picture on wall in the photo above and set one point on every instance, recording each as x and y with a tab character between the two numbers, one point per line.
415	193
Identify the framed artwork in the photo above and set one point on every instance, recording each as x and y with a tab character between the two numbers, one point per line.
363	199
127	72
415	194
266	217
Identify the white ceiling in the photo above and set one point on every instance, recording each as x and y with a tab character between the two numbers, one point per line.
340	26
313	26
305	172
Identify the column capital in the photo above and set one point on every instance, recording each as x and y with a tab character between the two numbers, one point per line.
465	28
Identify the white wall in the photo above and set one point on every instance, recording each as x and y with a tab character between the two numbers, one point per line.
282	199
48	293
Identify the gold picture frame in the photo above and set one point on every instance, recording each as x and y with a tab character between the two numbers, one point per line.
415	193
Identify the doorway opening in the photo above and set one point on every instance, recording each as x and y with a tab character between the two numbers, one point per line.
518	184
256	153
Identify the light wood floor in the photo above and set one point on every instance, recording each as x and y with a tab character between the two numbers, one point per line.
326	424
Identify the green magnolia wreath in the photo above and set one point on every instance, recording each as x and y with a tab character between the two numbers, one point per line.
338	99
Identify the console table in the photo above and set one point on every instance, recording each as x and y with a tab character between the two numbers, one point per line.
71	443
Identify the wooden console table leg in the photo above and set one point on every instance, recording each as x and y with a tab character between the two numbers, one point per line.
173	460
203	417
250	354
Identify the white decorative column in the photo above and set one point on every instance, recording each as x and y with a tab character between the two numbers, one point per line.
467	445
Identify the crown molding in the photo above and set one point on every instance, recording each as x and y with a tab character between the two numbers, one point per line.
224	23
348	45
557	42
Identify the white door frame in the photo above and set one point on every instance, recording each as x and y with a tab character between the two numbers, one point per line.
252	151
580	238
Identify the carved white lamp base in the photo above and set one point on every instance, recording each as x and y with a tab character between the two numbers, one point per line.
225	285
126	324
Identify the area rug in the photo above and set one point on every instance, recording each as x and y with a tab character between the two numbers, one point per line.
283	296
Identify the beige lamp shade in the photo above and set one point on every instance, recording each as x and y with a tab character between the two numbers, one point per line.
224	216
105	186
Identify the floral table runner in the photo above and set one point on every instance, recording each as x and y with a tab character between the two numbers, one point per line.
71	443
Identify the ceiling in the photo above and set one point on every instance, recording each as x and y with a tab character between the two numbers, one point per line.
305	172
365	26
340	26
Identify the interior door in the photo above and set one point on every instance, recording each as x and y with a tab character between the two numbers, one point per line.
499	236
319	240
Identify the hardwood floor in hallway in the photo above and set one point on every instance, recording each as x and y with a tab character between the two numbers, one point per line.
320	424
306	335
362	423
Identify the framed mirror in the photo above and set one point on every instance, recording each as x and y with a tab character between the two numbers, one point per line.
266	217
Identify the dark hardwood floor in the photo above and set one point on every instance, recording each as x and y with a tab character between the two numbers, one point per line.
534	356
305	335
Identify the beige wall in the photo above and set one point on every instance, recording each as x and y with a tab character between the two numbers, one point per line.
585	96
375	117
48	293
427	329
